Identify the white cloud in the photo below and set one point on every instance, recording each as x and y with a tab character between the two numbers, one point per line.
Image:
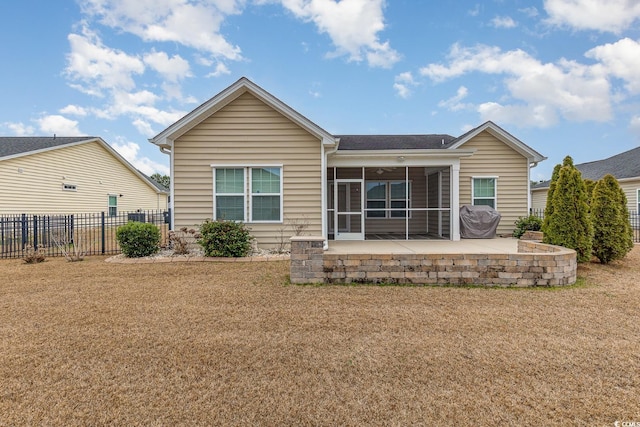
503	22
352	25
97	66
453	103
531	12
622	60
131	150
404	82
475	11
73	110
220	70
19	129
575	91
612	16
59	125
144	127
191	23
173	69
532	115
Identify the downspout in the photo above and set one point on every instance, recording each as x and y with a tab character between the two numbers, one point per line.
169	152
323	187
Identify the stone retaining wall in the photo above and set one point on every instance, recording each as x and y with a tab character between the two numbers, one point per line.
535	264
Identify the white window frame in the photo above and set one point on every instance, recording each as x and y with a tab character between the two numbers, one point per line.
109	206
387	200
247	195
495	190
252	195
638	201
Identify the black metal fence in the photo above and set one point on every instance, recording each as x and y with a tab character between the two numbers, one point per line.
634	219
91	233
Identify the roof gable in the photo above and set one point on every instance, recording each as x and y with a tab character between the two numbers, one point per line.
14	147
244	85
532	155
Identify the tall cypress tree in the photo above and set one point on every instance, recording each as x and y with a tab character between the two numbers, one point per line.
613	236
548	209
569	224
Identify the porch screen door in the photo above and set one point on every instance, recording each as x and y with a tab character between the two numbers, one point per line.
349	214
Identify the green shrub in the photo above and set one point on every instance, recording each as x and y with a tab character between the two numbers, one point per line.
224	239
138	239
569	223
613	236
526	223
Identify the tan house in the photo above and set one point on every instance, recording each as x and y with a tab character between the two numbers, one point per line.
245	155
625	167
50	175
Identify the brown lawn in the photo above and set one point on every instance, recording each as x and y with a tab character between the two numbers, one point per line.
93	343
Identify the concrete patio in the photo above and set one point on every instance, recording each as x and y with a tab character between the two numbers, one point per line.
464	246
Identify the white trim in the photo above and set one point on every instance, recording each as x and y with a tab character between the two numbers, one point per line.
244	193
247	195
109	196
251	195
454	202
495	189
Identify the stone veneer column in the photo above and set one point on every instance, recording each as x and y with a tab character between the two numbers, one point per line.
307	259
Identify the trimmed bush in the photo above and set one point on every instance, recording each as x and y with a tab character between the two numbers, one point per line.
613	236
569	224
138	239
225	239
527	223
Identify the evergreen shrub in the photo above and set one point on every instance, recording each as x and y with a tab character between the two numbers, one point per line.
138	239
224	239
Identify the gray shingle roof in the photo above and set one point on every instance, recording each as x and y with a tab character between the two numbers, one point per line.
621	166
12	145
394	142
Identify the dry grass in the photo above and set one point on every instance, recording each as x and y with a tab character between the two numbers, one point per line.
92	343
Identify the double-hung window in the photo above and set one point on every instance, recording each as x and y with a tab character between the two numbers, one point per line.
387	199
229	194
638	200
113	205
484	191
248	194
266	194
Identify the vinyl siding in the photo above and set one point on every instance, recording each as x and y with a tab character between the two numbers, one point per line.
248	132
539	199
94	170
494	158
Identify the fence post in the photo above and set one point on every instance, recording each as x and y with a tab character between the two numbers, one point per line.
35	232
102	232
25	230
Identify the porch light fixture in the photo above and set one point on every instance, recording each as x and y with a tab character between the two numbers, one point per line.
380	171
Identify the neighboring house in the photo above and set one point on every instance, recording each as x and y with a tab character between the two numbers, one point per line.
71	175
245	155
625	167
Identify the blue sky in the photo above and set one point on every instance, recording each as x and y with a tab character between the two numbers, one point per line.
561	75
